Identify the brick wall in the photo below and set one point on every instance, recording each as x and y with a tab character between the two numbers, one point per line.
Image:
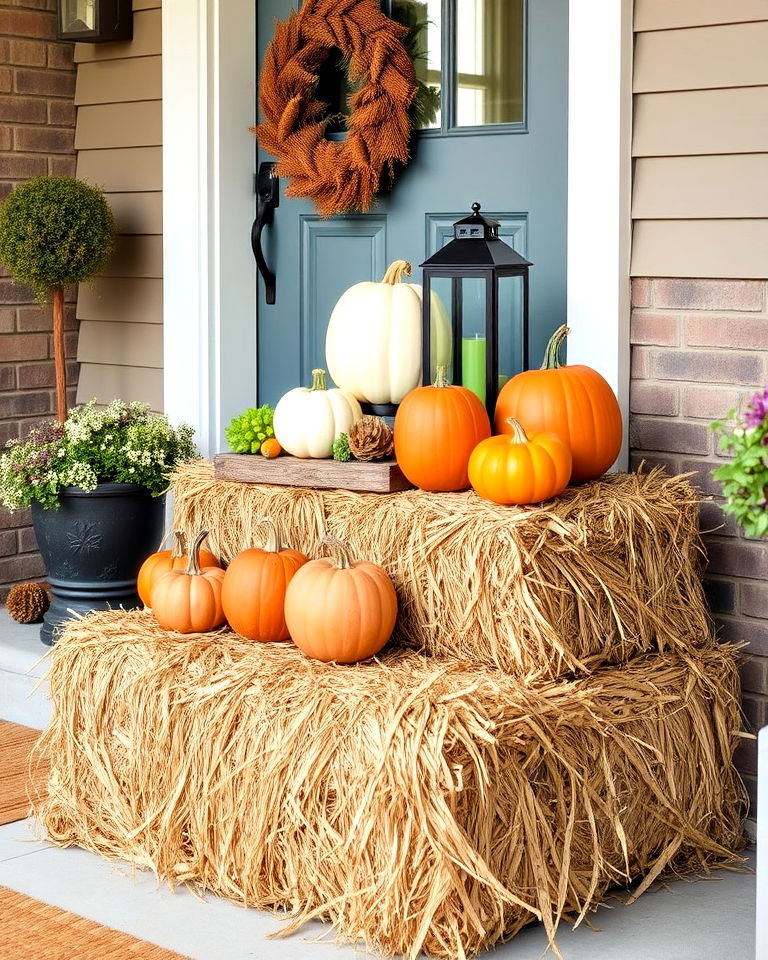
699	349
37	120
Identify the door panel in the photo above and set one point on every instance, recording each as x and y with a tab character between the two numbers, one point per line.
517	171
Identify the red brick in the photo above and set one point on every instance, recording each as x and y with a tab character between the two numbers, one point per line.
22	110
713	522
683	294
644	462
745	332
61	166
641	292
61	55
708	366
738	558
62	113
37	375
753	599
26	567
5	50
660	329
710	403
640	362
70	344
7	543
7	320
26	539
9	430
22	168
16	518
7	377
45	83
25	24
28	53
6	80
6	138
674	436
646	396
34	318
46	140
745	630
24	404
24	347
754	675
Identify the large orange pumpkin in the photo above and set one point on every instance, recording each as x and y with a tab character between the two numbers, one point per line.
339	610
574	402
189	601
512	469
165	560
436	429
253	595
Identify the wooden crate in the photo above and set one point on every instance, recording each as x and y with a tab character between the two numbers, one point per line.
381	476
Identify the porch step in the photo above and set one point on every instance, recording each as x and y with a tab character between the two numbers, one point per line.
21	651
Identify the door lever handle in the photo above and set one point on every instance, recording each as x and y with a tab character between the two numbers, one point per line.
268	190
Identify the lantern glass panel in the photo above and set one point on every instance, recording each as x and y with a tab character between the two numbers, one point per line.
78	16
511	336
441	326
471	300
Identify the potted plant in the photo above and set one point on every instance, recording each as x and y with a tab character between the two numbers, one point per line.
54	232
96	487
744	478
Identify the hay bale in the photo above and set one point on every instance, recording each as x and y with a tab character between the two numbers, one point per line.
606	571
415	803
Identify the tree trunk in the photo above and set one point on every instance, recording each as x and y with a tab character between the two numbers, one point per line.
58	354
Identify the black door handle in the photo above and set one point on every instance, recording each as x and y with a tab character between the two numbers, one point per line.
268	189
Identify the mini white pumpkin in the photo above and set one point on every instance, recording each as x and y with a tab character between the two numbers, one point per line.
373	343
308	419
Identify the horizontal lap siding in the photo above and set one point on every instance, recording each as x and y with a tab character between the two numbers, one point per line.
118	139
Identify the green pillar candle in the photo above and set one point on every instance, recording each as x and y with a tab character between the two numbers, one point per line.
473	365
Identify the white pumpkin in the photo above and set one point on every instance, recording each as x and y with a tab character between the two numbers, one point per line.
373	343
308	419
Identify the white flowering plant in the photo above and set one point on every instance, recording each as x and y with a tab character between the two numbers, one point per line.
120	443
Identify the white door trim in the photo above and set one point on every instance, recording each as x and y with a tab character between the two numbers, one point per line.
209	84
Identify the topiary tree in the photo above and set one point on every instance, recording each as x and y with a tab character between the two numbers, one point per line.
55	231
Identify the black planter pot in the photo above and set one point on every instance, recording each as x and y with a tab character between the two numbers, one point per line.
93	546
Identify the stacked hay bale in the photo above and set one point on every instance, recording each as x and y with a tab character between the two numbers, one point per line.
565	722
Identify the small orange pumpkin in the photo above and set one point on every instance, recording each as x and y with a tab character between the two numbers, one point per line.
574	402
341	611
253	595
512	469
165	560
436	429
189	601
271	448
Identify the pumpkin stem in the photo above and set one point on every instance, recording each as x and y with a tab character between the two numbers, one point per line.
193	566
552	353
517	434
396	271
318	380
179	542
441	376
339	551
273	542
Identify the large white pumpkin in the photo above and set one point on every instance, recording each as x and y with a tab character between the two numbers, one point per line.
308	419
373	343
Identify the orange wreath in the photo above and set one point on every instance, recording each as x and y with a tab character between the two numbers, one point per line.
346	175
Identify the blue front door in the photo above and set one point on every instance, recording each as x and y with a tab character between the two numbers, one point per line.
499	138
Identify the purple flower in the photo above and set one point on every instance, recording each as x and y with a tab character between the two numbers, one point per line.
757	409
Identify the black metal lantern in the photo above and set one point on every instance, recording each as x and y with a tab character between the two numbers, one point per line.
481	283
95	21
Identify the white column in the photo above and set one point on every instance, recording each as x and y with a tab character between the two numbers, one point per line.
209	315
599	189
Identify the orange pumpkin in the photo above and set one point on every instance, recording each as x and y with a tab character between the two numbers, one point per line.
510	468
338	610
436	429
271	448
253	595
165	560
574	402
189	601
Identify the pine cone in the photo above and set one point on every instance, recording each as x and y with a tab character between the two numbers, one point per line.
27	602
371	439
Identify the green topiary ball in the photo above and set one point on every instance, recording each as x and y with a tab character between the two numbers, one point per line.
55	231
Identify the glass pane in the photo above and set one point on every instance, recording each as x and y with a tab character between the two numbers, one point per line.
473	342
489	41
511	358
78	15
424	21
441	336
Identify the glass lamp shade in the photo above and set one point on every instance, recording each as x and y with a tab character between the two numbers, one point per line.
95	21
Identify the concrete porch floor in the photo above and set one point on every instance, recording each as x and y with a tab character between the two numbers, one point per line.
705	920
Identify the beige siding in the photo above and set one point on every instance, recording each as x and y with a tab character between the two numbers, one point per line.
700	140
118	139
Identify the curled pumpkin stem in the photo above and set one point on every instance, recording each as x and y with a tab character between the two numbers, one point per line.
272	544
193	566
179	543
396	271
338	550
552	353
517	435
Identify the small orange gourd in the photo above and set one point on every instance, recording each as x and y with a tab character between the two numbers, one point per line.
575	402
512	469
165	560
253	595
189	601
341	611
271	448
436	429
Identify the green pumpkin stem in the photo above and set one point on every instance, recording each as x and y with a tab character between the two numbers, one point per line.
517	434
338	550
318	380
552	353
179	543
193	566
272	544
396	271
441	376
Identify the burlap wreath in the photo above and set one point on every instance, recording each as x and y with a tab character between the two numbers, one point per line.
336	175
